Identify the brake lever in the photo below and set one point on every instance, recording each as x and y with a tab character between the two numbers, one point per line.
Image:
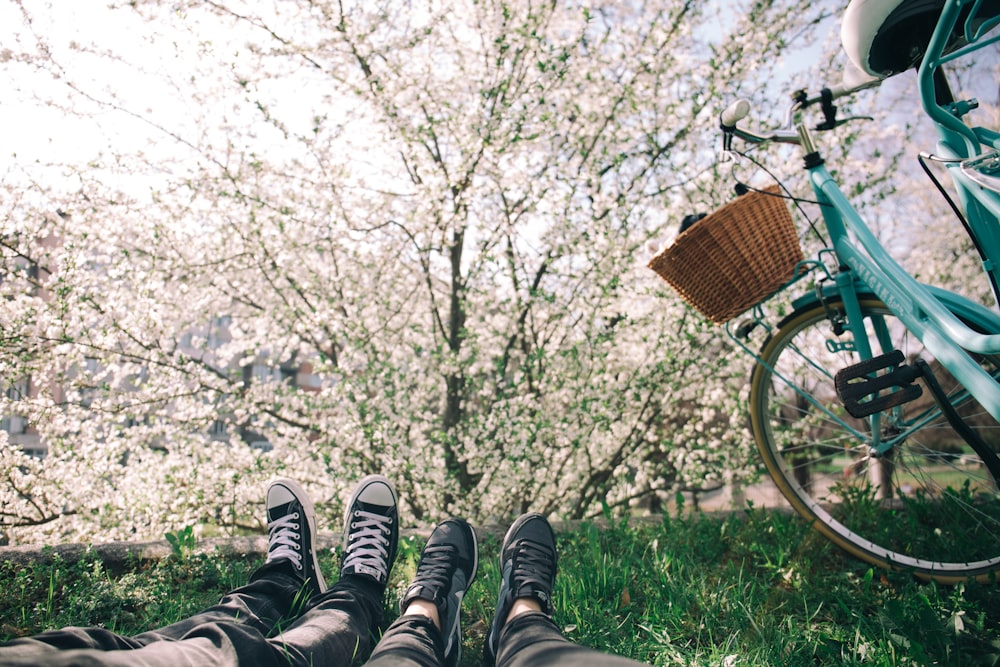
830	120
837	123
829	110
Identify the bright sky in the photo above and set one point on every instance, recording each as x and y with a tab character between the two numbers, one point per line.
40	131
150	82
35	130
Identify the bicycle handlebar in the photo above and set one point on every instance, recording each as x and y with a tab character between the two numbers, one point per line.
739	110
854	81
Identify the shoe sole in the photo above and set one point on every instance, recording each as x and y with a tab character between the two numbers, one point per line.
458	617
309	509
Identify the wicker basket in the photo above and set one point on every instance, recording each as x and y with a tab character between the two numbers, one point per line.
735	258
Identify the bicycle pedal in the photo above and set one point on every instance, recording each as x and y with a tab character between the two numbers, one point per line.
864	391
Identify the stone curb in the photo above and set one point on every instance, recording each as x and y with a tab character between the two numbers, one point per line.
117	554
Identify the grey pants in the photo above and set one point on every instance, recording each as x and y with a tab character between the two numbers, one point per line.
246	628
530	640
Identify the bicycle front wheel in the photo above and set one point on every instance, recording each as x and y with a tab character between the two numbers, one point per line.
900	489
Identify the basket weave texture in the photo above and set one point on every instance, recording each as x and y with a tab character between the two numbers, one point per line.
735	257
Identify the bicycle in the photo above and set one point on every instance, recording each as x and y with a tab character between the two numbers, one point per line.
875	404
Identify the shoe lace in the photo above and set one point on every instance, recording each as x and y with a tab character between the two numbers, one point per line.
534	568
368	541
283	539
435	568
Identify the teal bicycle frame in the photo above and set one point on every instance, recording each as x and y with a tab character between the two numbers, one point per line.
866	268
896	477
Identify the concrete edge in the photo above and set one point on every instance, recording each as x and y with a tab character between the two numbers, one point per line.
117	554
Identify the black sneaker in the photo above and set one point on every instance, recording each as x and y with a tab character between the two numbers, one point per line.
371	531
291	526
446	569
527	570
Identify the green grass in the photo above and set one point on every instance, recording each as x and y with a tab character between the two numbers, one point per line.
755	588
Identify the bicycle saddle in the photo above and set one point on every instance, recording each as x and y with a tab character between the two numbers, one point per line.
886	37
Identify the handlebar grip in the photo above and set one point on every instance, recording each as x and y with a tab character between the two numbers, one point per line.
854	80
734	113
849	88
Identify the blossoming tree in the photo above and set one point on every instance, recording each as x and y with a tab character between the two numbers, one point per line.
331	238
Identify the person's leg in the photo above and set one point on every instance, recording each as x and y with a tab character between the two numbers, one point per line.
532	638
281	587
522	633
339	628
413	640
428	632
339	623
290	572
260	604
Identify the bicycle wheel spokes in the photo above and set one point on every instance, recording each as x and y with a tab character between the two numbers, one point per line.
900	488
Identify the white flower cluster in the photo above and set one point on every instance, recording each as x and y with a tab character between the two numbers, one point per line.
415	246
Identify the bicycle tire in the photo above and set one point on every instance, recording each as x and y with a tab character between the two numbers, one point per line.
928	505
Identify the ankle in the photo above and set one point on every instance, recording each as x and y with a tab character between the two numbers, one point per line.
523	606
419	607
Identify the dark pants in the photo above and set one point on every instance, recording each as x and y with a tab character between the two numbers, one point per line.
245	628
530	640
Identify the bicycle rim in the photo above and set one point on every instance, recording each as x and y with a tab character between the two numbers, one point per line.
928	504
